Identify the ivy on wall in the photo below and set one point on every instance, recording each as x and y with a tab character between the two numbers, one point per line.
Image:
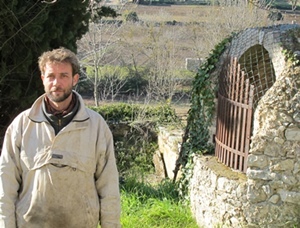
200	117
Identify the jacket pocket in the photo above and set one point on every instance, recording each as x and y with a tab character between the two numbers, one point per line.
22	206
92	212
34	159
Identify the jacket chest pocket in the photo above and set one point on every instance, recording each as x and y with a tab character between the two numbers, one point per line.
73	147
32	160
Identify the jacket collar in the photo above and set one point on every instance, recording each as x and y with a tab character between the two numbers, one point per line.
36	112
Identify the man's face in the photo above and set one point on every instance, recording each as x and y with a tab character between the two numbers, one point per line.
58	81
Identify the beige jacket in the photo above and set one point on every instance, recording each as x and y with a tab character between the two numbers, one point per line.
65	181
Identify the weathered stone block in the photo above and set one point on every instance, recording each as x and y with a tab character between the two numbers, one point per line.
256	195
289	179
284	165
290	197
274	199
260	161
169	145
292	134
260	174
272	150
159	164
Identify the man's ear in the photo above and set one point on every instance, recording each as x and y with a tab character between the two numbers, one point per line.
75	79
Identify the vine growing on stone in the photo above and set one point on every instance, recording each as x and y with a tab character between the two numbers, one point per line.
200	116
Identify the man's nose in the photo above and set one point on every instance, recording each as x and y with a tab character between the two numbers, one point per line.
55	81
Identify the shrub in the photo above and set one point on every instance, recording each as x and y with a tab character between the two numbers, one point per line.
123	112
132	16
134	151
134	129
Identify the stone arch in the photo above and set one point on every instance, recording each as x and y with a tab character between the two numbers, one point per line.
269	38
268	193
258	68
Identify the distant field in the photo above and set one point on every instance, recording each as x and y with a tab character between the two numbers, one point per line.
182	13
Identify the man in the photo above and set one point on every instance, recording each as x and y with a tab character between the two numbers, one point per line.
57	167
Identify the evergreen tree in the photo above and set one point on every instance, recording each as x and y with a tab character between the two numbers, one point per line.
28	28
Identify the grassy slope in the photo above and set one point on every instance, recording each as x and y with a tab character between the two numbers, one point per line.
148	206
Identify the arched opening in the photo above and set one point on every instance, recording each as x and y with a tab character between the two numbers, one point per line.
242	84
258	68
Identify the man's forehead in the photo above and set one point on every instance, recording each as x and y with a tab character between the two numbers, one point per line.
55	65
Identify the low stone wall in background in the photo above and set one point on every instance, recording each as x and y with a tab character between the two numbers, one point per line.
164	159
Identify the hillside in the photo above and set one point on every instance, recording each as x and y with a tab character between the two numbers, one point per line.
183	13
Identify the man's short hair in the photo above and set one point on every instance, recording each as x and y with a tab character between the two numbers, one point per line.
60	55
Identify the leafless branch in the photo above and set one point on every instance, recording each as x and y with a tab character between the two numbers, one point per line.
49	2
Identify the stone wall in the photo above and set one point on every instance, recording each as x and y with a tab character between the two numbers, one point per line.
165	158
169	142
192	64
274	160
218	195
268	195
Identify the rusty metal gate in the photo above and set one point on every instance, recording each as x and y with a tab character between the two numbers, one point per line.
234	117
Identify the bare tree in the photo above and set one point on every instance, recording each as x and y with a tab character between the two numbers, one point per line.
294	4
112	82
99	47
156	47
162	79
160	47
228	17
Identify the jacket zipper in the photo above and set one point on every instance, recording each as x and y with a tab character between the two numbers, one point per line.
59	124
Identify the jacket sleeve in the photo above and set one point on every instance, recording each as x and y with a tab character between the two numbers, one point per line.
107	183
10	177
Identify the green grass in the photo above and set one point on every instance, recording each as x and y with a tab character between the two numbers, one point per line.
148	206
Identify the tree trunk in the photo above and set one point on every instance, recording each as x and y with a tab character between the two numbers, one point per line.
96	99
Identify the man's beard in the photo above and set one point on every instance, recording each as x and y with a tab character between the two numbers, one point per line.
66	93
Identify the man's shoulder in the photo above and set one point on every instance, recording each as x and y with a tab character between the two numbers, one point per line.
96	119
22	114
19	119
93	114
